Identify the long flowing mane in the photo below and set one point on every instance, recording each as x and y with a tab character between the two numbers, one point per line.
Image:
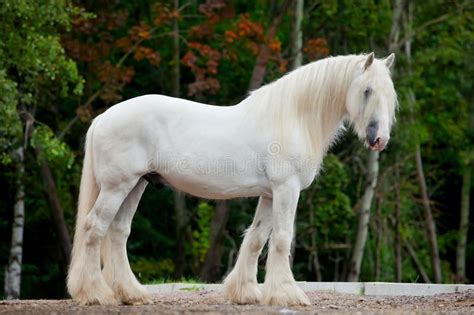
311	98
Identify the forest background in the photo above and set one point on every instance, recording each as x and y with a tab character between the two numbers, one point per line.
400	216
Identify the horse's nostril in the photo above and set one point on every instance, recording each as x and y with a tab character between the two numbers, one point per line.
377	141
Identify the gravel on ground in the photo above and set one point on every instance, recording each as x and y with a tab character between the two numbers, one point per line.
212	302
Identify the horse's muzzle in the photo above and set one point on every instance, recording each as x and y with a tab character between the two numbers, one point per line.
375	142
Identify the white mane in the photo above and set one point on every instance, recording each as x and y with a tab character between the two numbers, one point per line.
311	98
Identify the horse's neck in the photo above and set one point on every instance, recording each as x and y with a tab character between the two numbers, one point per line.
326	97
308	103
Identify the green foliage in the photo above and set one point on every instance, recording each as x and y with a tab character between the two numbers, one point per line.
10	125
30	44
124	49
36	76
53	150
333	210
201	235
325	216
148	270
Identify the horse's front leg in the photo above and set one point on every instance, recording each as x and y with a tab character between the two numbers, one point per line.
241	285
280	287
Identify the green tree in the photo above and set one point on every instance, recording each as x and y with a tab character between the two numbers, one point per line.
32	60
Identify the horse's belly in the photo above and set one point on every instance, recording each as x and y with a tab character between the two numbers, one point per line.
217	187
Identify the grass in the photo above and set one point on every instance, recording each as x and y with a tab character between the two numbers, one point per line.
171	280
192	288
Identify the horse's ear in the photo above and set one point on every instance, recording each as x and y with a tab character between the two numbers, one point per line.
370	59
390	60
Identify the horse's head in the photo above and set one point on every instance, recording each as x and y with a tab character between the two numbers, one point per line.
371	101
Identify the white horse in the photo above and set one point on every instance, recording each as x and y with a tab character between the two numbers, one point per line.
270	145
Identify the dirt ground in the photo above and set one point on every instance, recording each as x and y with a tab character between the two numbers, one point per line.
211	302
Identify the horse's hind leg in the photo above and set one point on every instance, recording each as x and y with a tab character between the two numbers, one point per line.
241	285
116	268
91	287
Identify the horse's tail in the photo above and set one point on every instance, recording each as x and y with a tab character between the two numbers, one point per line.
88	190
88	193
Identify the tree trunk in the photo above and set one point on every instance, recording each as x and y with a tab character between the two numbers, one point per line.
176	73
416	262
297	35
258	73
180	211
398	241
378	239
13	270
210	271
50	190
429	220
260	67
463	226
465	206
395	29
392	42
364	217
314	245
296	47
181	218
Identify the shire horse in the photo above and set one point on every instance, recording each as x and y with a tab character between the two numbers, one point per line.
270	145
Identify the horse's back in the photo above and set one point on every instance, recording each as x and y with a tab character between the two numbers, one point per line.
204	150
154	108
147	125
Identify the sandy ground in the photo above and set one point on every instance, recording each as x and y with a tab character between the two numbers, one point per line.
210	302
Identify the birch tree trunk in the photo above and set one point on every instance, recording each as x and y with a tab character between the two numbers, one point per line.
364	217
429	220
13	270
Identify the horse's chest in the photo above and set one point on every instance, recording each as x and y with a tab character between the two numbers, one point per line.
306	178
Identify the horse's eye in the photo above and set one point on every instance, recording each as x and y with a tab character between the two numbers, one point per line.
367	92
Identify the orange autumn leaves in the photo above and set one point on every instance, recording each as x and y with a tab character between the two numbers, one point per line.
105	43
94	44
316	48
252	34
203	61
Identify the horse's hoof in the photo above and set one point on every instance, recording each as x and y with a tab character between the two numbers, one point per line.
284	294
137	300
132	295
96	299
241	293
